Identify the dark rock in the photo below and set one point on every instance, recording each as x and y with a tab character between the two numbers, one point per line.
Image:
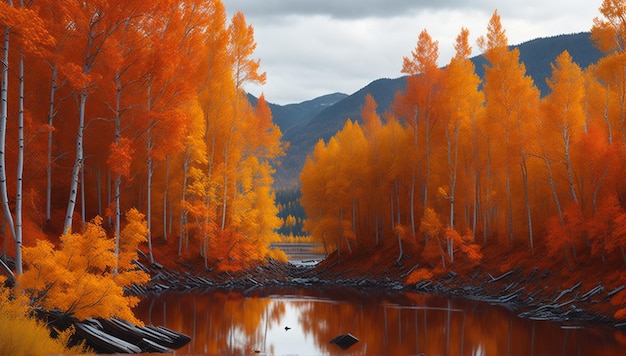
344	341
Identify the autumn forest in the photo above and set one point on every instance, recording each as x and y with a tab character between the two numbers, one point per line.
459	162
125	129
125	123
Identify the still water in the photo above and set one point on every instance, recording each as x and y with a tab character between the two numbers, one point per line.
224	322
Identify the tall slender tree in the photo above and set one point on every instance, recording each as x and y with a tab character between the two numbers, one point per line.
461	102
511	99
416	107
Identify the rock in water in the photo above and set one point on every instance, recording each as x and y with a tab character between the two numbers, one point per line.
344	341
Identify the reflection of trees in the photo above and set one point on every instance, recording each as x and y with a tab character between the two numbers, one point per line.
431	325
223	323
220	322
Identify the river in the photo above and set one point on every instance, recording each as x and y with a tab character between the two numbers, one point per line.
279	321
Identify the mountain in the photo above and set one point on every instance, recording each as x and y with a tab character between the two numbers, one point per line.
304	124
290	115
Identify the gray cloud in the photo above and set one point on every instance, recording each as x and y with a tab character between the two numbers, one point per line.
315	47
345	9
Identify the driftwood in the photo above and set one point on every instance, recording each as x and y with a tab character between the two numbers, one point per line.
565	310
537	303
568	290
507	299
409	272
595	290
120	336
616	290
504	275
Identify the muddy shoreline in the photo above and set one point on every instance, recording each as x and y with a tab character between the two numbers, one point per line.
525	293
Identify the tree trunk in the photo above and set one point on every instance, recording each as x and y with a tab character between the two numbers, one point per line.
553	187
98	174
568	165
183	210
596	190
78	162
427	162
150	167
82	196
476	178
167	176
509	202
453	159
3	124
118	176
341	232
401	252
412	208
109	194
51	115
606	116
224	201
20	171
487	204
527	199
149	199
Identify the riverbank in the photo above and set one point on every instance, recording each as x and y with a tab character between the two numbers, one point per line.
541	292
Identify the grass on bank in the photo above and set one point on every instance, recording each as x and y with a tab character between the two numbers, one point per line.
22	334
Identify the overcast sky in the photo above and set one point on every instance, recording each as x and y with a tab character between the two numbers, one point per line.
309	48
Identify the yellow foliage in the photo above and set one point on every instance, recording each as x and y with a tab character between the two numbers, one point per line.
134	233
78	278
277	254
21	334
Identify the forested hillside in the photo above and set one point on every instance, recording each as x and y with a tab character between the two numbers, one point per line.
537	55
461	162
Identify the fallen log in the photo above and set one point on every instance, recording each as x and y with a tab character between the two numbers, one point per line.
531	276
616	290
131	333
568	290
180	339
100	341
595	290
409	272
504	275
619	325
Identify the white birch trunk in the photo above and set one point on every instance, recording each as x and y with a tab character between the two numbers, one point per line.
118	176
453	158
527	199
20	172
78	162
568	165
3	124
150	164
82	196
167	177
51	115
183	210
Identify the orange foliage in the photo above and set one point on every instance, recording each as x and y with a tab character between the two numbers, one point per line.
164	109
610	33
543	174
120	158
418	275
77	278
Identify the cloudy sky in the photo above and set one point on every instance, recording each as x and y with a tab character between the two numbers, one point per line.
314	47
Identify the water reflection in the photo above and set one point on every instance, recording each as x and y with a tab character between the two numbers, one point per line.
231	323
